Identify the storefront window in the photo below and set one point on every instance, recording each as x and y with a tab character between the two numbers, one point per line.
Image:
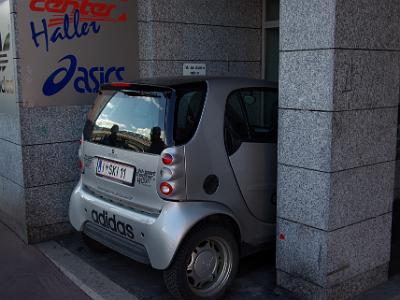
398	136
271	40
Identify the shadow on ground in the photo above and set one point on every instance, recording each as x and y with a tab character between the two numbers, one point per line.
256	278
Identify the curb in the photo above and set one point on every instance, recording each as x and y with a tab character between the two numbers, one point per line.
88	279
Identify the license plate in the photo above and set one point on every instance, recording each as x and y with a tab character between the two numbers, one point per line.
115	171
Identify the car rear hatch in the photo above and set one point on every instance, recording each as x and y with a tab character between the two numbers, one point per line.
124	135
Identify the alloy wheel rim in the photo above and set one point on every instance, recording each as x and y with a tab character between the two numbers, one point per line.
209	266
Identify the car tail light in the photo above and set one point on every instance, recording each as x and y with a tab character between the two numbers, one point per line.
166	189
169	178
81	163
167	159
166	174
121	84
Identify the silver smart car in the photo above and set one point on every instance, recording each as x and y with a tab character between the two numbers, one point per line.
181	174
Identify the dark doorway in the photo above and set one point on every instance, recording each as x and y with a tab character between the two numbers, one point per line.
395	253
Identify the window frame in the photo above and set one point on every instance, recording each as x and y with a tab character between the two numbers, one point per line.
265	26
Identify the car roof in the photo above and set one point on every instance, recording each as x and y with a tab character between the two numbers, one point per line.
172	81
163	83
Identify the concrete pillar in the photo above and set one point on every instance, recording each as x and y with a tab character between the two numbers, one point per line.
339	92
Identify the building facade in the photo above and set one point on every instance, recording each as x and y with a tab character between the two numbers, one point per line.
339	77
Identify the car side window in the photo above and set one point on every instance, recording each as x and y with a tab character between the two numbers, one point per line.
251	116
189	107
261	108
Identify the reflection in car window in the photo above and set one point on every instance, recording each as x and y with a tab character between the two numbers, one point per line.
133	123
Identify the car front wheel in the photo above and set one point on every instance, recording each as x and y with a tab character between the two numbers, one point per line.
205	264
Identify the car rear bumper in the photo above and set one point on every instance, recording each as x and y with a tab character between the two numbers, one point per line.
146	238
122	245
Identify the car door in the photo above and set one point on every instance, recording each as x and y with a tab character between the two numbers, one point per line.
251	144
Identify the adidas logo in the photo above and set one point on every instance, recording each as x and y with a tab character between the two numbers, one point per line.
4	47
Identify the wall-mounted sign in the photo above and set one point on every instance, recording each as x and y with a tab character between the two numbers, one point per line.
194	69
7	68
69	48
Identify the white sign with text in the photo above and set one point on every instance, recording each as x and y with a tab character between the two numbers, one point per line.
194	69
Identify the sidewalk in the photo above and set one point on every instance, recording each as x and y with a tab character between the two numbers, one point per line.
26	274
33	272
116	277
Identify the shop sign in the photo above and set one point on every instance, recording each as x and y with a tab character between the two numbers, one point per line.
7	69
69	48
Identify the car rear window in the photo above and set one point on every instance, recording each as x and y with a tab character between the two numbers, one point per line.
129	121
141	123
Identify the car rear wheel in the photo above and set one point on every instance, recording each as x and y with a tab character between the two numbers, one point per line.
205	264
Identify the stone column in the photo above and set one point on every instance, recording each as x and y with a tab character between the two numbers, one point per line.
339	92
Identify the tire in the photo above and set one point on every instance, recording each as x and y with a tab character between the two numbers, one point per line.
94	245
205	264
